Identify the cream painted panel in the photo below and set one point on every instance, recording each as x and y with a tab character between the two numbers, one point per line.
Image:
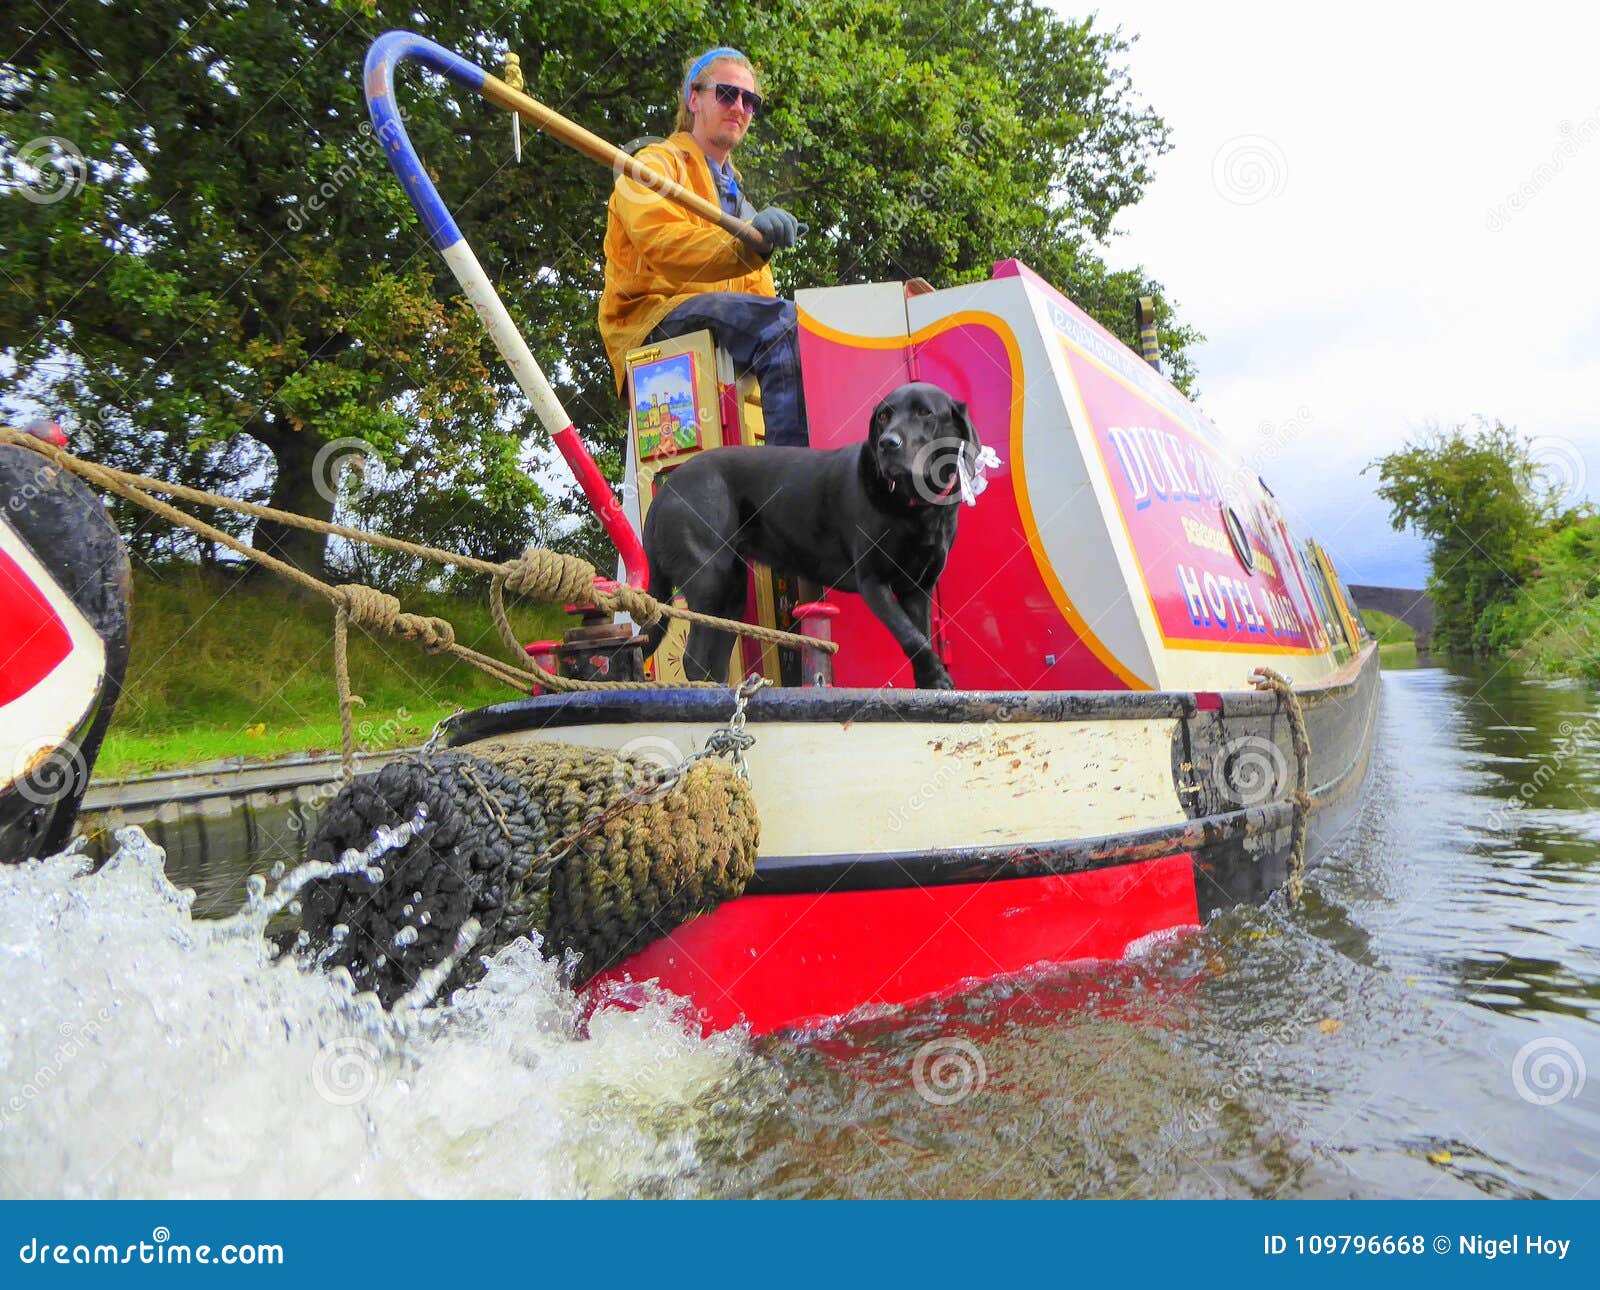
826	789
876	309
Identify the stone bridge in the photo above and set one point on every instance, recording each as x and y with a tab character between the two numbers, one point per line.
1412	607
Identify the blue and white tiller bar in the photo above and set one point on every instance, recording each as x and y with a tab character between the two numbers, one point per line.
387	53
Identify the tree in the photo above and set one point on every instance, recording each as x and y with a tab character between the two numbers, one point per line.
238	264
1474	495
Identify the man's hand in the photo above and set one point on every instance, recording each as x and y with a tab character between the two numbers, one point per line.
778	226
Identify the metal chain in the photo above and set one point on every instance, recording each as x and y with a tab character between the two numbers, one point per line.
732	740
438	732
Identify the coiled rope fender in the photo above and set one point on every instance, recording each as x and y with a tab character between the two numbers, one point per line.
652	863
1264	678
581	845
475	857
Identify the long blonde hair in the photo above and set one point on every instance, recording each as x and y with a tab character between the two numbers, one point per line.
685	119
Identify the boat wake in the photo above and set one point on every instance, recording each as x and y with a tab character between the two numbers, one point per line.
147	1052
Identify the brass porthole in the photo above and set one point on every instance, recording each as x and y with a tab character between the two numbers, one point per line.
1238	538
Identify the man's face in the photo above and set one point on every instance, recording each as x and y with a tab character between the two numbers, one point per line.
721	127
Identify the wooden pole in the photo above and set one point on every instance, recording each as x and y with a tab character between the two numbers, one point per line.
614	158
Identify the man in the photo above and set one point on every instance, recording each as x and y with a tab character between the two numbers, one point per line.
669	272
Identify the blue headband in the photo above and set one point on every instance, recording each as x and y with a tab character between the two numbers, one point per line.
700	64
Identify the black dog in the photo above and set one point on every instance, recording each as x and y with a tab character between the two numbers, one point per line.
876	518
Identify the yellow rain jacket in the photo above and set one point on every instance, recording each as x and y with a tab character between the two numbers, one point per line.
658	254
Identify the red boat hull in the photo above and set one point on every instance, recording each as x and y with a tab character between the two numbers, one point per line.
777	962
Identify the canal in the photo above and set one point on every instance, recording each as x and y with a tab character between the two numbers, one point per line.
1423	1025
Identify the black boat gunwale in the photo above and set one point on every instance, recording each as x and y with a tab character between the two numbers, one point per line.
841	706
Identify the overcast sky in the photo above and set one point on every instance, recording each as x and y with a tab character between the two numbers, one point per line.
1379	216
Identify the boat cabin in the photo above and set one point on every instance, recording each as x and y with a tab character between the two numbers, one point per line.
1122	543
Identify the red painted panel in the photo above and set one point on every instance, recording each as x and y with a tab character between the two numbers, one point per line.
996	621
1170	486
778	961
1001	622
844	383
33	639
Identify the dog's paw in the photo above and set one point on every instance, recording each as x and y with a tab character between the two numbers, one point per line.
932	676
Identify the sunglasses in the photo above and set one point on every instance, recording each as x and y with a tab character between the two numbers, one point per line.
728	95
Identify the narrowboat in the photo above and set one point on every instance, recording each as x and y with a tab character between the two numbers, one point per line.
1165	700
1108	767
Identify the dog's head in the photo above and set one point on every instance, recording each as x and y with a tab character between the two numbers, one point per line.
918	441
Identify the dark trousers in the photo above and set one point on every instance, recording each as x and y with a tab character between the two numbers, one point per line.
761	335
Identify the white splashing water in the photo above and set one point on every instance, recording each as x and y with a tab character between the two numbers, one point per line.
144	1052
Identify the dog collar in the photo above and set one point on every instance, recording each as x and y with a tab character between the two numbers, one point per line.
911	502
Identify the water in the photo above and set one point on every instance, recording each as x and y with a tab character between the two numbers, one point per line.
1424	1025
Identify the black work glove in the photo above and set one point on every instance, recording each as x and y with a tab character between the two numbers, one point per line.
778	226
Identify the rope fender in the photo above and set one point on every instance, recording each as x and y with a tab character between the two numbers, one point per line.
474	858
577	844
1264	678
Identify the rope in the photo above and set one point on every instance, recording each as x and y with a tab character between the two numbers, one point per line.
1264	678
536	574
540	572
341	681
551	680
650	865
379	611
512	75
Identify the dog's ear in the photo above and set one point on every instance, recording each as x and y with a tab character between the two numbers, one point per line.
964	426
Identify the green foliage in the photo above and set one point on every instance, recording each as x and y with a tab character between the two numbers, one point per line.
227	667
1555	620
932	139
1473	495
241	280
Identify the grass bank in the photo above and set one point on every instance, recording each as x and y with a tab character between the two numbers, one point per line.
1397	642
228	666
